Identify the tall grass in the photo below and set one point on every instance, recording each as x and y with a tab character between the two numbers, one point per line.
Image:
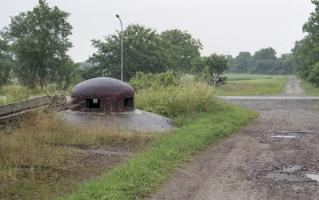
14	93
309	89
185	99
44	140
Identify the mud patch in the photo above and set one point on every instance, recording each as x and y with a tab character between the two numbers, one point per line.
286	177
288	174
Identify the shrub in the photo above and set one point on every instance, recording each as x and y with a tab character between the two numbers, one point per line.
181	100
149	80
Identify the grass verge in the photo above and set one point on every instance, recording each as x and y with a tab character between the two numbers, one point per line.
309	89
251	84
141	174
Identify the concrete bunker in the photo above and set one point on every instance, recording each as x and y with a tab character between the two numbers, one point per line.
102	95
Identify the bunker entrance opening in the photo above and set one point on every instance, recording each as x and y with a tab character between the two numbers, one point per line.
93	103
128	102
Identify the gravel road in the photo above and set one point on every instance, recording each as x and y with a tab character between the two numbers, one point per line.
274	157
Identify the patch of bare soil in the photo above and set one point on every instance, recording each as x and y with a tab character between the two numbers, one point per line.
274	157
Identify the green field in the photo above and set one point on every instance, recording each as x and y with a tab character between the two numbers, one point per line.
251	84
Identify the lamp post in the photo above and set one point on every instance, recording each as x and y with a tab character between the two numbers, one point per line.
118	16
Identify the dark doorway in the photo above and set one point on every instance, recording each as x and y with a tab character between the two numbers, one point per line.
128	102
93	103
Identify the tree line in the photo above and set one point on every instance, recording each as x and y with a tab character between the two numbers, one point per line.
263	61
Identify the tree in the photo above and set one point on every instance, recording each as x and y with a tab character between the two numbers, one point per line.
215	65
143	51
265	54
241	63
39	40
5	62
306	51
184	48
285	64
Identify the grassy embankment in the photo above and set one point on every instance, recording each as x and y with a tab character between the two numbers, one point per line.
309	89
252	84
201	119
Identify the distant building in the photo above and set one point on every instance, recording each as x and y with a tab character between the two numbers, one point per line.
102	95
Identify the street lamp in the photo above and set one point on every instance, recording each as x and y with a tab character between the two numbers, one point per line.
118	16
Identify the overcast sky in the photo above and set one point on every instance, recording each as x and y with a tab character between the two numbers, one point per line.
223	26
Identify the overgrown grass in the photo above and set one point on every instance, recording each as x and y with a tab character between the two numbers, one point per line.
251	84
210	120
14	93
43	142
172	101
309	89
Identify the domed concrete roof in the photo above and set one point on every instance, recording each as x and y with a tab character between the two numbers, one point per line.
102	86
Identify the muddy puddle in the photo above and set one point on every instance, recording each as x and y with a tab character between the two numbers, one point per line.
293	134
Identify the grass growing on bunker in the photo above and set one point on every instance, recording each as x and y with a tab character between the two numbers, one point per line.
201	120
42	157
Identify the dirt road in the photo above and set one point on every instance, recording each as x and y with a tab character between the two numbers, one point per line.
274	157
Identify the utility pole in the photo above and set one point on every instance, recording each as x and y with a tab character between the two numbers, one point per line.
118	16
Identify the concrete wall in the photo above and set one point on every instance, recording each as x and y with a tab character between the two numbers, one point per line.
24	105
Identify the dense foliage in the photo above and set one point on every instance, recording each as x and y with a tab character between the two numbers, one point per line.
5	62
155	81
213	67
264	61
306	51
39	41
145	50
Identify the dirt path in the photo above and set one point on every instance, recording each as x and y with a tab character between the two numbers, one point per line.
271	158
292	87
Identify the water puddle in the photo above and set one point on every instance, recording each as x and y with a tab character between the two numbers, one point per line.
284	136
314	177
292	169
291	134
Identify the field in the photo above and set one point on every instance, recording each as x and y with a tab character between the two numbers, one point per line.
251	84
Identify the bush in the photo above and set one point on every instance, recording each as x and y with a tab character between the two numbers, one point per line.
181	100
142	81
